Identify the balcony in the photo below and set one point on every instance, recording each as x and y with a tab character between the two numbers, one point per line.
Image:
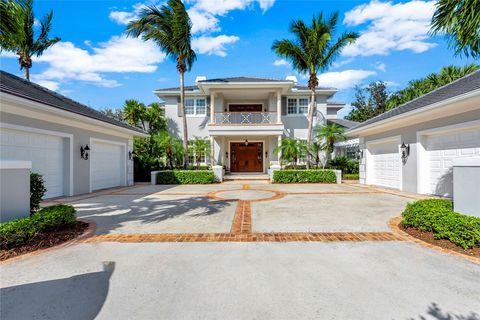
245	123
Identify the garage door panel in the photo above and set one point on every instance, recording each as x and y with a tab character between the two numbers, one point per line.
442	150
108	165
385	165
46	152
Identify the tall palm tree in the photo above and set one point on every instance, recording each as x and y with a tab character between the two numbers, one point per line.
134	113
329	134
20	39
459	21
170	28
312	51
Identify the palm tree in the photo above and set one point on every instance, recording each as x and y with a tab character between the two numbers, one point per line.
170	28
314	151
313	51
329	134
290	150
171	147
200	148
459	21
155	116
134	113
20	39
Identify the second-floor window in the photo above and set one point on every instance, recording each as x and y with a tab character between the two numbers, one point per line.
195	107
297	105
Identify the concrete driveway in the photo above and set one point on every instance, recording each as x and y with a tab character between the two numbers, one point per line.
211	208
355	268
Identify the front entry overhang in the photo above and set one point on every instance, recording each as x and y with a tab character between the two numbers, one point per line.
246	130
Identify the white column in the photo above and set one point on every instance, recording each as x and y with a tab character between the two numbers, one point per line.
279	153
212	151
279	107
212	107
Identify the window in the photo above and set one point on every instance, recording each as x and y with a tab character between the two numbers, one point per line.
291	106
189	106
303	105
195	107
297	105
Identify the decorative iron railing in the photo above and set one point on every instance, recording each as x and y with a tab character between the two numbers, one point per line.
245	118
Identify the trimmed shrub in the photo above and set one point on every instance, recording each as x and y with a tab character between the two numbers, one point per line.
345	164
351	176
37	191
437	216
304	176
185	177
18	232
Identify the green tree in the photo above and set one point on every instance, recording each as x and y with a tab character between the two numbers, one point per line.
200	148
314	149
290	150
459	21
171	147
312	51
135	113
170	28
155	117
17	34
369	102
329	134
116	114
419	87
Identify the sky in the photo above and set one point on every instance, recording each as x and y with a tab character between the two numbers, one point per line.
96	64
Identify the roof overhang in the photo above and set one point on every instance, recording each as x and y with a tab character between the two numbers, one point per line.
41	111
463	103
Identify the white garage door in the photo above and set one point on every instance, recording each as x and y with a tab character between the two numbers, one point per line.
385	165
108	165
45	151
441	151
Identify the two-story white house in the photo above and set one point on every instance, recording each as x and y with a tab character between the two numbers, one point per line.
245	118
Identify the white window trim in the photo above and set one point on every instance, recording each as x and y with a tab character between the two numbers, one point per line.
195	114
297	107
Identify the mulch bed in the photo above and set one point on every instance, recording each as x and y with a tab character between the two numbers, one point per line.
443	243
46	240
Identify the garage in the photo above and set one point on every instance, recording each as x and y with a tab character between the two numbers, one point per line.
108	160
46	152
442	150
384	163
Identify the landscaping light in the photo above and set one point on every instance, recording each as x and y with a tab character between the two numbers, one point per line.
84	152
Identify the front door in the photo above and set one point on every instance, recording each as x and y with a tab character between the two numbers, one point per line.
246	157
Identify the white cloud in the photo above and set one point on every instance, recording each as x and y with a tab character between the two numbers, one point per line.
344	79
8	54
124	17
52	85
118	55
342	63
213	45
381	66
281	62
391	27
222	7
203	21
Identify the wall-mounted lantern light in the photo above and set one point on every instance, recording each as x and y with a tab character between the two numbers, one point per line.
130	155
246	142
360	154
405	149
84	152
266	154
226	154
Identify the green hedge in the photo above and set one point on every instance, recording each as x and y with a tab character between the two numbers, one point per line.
18	232
304	176
185	177
351	176
437	216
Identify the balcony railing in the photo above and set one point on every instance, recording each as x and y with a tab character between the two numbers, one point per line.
245	118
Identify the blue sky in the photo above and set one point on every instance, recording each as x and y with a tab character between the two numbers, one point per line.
97	65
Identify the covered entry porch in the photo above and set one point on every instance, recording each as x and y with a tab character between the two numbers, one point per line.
245	154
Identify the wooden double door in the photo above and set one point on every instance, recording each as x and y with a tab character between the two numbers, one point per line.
246	157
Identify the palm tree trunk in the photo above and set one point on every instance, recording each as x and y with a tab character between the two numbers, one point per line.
310	123
184	116
27	73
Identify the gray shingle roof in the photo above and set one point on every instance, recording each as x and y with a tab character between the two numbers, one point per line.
342	122
241	80
17	86
458	87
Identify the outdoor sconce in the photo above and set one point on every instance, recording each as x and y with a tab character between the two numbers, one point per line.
266	154
405	149
360	154
246	142
84	152
226	154
130	155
